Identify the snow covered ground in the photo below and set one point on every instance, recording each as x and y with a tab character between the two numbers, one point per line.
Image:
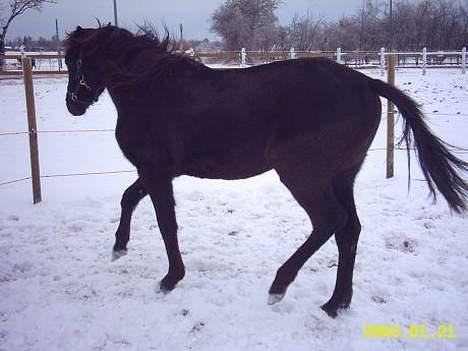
59	289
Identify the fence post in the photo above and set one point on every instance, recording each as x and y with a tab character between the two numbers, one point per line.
390	118
338	55
424	59
292	54
243	56
463	60
59	59
32	127
382	61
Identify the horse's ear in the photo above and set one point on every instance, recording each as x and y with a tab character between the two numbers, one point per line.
78	28
109	24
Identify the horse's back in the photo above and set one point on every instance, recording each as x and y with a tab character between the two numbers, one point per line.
328	114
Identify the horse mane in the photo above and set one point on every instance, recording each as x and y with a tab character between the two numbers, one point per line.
120	49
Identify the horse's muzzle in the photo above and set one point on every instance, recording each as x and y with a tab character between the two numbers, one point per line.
75	109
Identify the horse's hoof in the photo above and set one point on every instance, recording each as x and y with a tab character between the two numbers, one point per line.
164	290
332	310
275	298
167	285
116	254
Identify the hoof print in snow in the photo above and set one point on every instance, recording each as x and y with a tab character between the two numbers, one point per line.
197	327
233	233
408	246
429	225
378	299
76	227
185	312
405	246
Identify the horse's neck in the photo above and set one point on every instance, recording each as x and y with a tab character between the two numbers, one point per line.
115	87
118	97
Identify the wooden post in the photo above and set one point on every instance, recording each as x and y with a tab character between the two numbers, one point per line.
32	127
390	117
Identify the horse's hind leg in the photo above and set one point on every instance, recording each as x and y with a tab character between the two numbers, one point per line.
346	240
315	194
130	199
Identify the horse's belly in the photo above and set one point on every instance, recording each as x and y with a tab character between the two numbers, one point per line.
230	170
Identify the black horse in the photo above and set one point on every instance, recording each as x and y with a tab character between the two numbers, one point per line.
311	120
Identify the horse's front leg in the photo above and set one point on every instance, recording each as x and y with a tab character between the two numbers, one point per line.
130	199
161	193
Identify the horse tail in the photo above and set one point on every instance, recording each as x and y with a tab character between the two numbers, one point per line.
439	166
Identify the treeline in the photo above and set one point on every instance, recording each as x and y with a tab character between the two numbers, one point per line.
253	24
30	44
435	24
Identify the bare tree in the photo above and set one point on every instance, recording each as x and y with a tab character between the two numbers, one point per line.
435	24
305	32
246	23
9	10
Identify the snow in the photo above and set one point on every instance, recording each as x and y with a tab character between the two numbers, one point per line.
59	289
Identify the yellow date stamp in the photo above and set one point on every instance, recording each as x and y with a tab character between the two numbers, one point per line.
415	331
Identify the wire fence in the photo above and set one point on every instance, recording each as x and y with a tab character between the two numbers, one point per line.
77	131
129	171
69	175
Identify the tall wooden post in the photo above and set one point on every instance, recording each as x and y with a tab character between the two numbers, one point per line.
59	60
32	127
390	118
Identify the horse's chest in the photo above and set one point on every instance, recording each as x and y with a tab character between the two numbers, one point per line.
128	147
131	141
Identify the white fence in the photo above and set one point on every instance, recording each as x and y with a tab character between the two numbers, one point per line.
426	56
53	62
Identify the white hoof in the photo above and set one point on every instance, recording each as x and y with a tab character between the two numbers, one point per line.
117	254
275	298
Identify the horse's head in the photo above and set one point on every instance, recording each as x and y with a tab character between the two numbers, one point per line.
85	81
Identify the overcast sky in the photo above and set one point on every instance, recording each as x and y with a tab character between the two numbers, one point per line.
193	14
